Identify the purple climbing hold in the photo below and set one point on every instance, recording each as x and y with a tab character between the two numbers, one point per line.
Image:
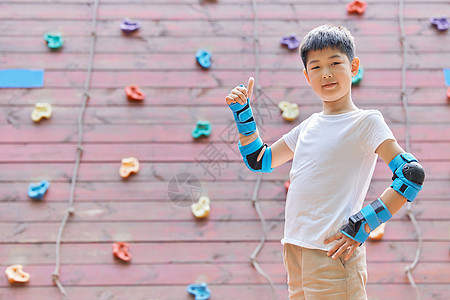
441	23
291	42
129	26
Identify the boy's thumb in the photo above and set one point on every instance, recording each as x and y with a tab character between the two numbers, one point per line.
251	83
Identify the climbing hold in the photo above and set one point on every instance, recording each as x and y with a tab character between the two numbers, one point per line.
202	128
204	58
291	42
358	7
440	23
41	110
16	274
447	81
357	79
134	93
54	40
202	208
289	110
200	291
38	190
378	233
121	250
287	183
129	165
129	26
21	78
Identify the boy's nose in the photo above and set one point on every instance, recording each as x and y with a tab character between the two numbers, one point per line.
327	75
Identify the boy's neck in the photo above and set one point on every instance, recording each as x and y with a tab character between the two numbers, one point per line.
341	106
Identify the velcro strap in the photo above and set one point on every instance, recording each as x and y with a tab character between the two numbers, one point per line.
246	128
250	148
409	157
400	160
371	217
384	215
408	190
236	106
361	236
246	114
267	161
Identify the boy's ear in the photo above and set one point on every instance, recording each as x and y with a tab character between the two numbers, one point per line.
355	66
306	76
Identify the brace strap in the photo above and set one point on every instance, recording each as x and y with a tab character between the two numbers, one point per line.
373	214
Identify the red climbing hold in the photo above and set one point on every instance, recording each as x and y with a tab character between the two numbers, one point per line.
358	7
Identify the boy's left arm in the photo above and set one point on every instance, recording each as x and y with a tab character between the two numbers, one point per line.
408	178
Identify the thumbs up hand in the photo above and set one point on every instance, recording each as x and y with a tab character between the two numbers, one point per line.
240	94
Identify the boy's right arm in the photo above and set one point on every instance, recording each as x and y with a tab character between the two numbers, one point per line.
249	136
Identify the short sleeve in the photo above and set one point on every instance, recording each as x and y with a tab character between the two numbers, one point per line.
291	137
374	131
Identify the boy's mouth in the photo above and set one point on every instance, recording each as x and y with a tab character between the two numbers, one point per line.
329	85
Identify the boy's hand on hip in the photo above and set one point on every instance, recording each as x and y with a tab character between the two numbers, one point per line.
344	243
240	94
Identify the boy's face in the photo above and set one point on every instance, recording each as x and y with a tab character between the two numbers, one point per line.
329	72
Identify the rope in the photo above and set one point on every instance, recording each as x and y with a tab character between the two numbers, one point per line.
71	209
263	237
254	198
409	212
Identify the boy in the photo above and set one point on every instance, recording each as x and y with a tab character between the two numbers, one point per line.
334	154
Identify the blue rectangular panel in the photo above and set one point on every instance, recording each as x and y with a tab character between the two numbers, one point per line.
21	78
447	76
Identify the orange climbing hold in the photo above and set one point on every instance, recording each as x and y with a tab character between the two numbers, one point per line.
129	165
16	274
134	93
121	250
358	7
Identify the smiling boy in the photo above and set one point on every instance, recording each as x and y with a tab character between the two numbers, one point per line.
334	153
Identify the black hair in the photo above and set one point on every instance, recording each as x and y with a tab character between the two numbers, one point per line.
328	36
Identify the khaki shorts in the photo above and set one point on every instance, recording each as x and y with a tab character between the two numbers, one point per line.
313	275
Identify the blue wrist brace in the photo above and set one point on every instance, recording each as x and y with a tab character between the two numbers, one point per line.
408	175
243	116
250	154
373	214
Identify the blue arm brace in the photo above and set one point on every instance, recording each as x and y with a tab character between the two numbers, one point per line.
243	116
373	214
408	175
250	153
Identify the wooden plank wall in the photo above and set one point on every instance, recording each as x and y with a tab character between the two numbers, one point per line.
170	249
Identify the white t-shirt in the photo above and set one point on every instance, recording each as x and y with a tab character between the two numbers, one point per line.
333	164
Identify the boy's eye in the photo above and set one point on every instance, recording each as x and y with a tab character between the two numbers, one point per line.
316	67
336	63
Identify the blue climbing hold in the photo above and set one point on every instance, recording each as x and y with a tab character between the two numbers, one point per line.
200	291
21	78
357	79
54	40
447	76
204	58
37	190
203	128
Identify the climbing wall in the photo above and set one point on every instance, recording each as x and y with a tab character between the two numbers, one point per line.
150	210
